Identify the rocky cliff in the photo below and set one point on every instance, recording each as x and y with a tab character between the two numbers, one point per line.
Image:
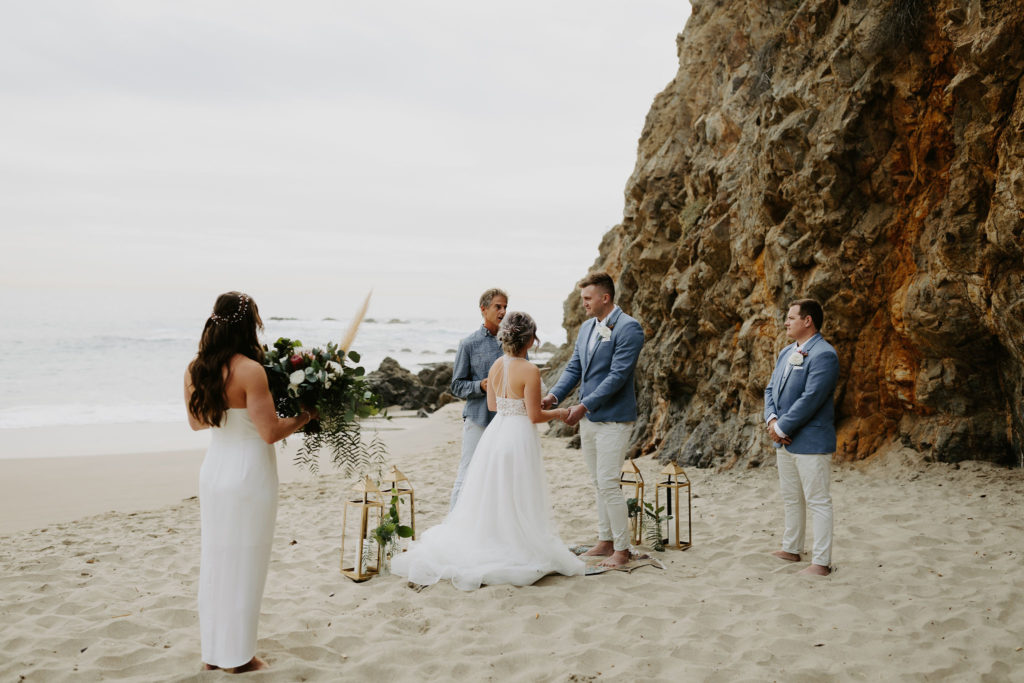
868	153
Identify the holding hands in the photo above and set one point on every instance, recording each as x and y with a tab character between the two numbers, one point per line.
576	414
571	416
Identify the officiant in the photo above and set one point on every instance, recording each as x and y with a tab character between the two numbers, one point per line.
473	361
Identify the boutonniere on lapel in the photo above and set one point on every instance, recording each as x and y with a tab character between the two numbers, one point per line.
796	358
604	331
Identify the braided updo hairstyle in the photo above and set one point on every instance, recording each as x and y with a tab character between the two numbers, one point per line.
516	332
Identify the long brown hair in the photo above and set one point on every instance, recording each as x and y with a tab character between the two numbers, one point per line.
229	330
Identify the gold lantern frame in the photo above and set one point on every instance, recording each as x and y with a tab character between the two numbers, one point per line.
368	501
630	476
673	482
397	484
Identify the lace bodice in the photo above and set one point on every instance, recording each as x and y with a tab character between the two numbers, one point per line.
511	406
507	405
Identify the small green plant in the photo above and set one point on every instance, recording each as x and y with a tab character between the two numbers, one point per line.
650	529
387	534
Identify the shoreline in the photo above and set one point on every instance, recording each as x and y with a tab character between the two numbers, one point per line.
85	440
72	471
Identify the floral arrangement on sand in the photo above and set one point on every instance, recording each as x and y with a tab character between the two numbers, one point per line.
322	378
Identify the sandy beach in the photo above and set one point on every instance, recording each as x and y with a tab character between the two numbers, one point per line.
928	579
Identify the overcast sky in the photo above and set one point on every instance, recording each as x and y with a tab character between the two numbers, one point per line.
425	149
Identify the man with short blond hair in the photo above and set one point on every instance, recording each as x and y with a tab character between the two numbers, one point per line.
800	417
603	364
473	361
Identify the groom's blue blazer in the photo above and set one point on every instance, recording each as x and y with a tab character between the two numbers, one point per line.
801	397
608	374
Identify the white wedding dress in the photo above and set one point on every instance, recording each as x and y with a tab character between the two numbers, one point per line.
500	530
238	508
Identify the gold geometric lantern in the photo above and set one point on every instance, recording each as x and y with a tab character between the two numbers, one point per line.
367	513
630	477
397	484
675	481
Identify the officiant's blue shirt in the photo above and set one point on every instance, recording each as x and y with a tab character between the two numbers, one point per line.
473	361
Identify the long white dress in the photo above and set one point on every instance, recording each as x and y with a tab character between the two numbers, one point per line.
500	530
238	508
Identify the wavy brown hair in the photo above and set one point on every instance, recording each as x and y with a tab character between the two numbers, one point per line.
230	329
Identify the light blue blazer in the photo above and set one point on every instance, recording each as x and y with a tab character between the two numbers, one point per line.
801	397
608	374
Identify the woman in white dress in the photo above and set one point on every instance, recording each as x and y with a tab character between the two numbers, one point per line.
226	389
500	530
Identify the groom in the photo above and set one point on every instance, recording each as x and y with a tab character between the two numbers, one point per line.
604	358
800	419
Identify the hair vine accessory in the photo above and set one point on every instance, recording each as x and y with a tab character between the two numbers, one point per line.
243	308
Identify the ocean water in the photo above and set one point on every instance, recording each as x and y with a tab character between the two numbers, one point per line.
112	357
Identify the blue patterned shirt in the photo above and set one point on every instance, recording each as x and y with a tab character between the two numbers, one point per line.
473	361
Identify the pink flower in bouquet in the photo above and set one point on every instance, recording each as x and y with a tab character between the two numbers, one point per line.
296	361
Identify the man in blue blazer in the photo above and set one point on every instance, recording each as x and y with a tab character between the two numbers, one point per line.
604	359
800	416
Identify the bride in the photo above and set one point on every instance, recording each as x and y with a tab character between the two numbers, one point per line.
500	530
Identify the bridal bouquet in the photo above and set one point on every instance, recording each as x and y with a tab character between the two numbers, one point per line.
302	379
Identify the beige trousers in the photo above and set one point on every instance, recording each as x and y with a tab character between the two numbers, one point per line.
804	481
604	449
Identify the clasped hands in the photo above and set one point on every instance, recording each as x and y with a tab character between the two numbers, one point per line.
574	415
774	435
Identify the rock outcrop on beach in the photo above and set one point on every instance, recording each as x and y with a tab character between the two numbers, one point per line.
427	390
868	153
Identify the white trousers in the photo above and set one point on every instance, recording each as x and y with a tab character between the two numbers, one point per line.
604	449
804	481
471	433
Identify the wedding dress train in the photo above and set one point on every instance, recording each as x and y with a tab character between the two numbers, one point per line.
500	531
238	508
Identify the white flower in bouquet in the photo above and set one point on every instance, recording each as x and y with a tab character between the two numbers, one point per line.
333	368
296	377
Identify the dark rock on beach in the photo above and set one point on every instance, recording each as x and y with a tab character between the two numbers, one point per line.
391	382
867	154
397	386
437	377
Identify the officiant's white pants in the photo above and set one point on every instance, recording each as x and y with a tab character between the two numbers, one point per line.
471	433
804	480
604	449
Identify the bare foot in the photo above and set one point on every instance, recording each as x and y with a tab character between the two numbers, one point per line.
816	570
254	664
788	557
618	558
209	667
602	549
